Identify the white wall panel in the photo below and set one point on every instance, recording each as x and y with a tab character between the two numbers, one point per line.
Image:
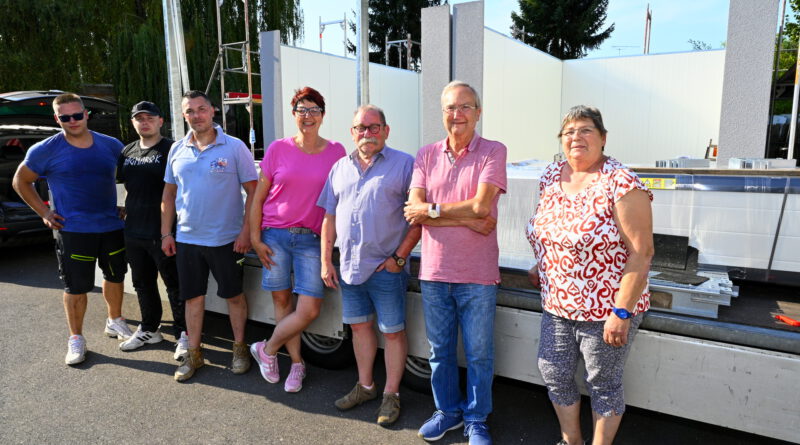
521	97
394	90
655	107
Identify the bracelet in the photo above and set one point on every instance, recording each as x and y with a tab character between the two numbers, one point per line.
167	236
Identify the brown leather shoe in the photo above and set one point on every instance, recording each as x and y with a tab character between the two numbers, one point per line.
241	358
356	396
193	360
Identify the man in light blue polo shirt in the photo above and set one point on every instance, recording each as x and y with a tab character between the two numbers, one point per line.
205	173
363	201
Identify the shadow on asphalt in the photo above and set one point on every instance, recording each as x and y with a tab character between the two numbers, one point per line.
17	262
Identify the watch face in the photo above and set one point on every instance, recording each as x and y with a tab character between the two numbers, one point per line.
400	261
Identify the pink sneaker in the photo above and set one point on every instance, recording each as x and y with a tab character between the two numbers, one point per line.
267	363
294	382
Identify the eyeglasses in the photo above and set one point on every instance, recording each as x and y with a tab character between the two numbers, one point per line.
582	132
373	129
464	109
66	117
313	111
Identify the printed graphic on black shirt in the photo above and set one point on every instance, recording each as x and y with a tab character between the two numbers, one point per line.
142	172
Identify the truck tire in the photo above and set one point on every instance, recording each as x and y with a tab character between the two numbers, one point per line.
418	375
327	352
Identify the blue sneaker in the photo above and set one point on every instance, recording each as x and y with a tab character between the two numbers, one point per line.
478	433
439	424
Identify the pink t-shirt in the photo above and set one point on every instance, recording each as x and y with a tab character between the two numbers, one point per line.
297	180
458	254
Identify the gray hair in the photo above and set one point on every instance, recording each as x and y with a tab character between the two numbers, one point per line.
459	83
579	112
370	107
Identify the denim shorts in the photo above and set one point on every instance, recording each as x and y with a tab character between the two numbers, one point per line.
293	252
385	293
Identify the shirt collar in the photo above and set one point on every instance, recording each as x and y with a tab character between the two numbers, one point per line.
220	139
473	144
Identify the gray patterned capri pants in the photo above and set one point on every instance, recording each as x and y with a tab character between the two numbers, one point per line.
563	342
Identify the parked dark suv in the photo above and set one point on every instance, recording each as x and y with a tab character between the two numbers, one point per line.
26	117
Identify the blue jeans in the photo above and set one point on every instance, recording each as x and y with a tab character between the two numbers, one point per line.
294	254
471	306
383	293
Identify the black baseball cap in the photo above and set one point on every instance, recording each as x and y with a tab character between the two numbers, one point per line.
145	107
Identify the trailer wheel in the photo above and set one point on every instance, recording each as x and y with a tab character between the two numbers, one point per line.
327	352
418	375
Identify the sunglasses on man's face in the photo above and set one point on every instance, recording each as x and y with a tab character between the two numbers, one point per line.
66	117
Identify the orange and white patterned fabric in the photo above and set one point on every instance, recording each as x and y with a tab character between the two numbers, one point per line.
580	253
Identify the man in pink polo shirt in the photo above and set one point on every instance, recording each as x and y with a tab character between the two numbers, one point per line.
454	192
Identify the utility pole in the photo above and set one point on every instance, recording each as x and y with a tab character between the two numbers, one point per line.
362	54
648	22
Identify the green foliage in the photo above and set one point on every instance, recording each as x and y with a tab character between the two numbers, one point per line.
394	20
566	29
699	45
54	44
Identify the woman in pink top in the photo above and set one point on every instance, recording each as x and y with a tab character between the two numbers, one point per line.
285	224
593	238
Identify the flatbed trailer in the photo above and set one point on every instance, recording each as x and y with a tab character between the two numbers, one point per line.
740	370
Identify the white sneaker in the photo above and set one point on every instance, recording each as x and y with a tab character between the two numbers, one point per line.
118	328
141	338
182	347
76	350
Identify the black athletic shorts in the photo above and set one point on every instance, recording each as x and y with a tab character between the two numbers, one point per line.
78	252
194	263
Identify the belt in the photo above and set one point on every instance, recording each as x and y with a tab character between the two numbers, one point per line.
295	230
299	230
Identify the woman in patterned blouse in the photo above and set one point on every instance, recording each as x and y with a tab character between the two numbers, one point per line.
592	234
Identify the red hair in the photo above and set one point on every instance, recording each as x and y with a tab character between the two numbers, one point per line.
309	94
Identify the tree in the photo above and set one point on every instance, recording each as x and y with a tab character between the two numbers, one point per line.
699	45
52	44
393	20
566	29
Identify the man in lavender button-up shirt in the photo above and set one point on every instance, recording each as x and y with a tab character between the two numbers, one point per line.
363	201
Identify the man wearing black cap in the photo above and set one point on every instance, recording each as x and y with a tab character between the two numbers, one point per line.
141	169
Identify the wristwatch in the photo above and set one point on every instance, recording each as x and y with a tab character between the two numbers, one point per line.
433	210
621	313
400	261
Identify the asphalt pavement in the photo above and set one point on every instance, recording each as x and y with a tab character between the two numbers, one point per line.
130	397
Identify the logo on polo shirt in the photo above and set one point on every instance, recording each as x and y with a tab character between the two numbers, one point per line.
218	165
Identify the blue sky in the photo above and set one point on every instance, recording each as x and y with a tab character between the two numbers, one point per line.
674	23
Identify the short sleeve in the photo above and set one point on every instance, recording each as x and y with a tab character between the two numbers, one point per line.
267	164
623	180
419	174
169	177
245	165
408	171
494	170
37	158
327	198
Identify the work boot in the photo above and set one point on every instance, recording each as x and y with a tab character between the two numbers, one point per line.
356	396
241	358
193	360
389	410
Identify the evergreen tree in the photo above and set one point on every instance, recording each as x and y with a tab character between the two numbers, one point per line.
394	20
566	29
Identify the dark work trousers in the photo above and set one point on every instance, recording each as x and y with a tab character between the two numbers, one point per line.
147	260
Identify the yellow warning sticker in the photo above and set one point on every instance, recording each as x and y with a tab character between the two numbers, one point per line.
659	183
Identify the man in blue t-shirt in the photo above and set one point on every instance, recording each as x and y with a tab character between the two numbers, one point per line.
205	174
80	166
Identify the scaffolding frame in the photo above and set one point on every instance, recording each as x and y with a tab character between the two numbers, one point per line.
223	65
